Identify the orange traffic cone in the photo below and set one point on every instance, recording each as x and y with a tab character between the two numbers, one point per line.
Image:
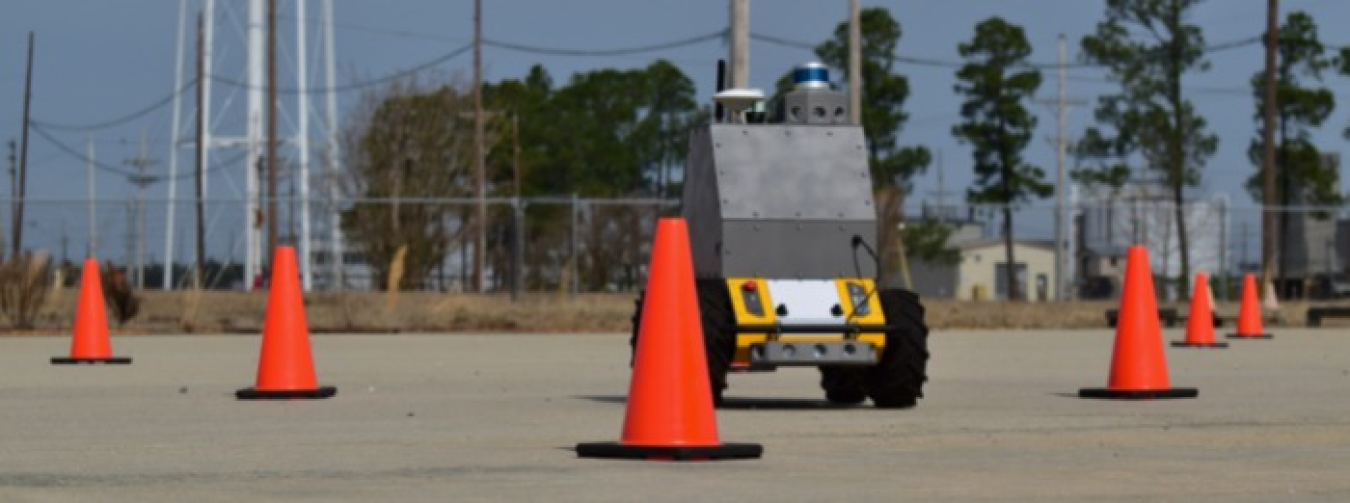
1200	329
670	407
286	367
91	343
1138	367
1249	313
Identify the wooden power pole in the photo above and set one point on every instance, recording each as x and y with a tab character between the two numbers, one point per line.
201	152
272	128
23	151
479	168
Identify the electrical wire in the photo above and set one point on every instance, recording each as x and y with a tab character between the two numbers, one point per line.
73	152
940	63
354	85
160	103
553	51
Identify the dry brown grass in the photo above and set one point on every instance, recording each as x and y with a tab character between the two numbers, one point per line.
243	312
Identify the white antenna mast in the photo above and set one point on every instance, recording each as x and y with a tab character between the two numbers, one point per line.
256	58
334	159
302	144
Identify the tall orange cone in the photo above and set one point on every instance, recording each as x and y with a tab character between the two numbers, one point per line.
286	366
670	407
1249	313
1200	329
1138	366
91	343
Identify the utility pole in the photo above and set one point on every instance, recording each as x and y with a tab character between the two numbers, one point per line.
940	195
92	245
200	186
13	181
23	151
518	251
1061	144
271	129
854	63
1243	261
1268	152
479	168
141	180
739	45
1223	244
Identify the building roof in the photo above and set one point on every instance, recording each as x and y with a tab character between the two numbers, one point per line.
990	242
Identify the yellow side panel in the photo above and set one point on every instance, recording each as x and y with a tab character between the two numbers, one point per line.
874	314
745	316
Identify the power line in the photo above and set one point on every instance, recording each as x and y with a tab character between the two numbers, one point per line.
72	152
161	102
359	84
550	51
554	51
381	31
500	45
945	63
1196	88
120	120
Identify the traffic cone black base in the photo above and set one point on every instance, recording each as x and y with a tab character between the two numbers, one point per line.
285	394
1254	336
1184	344
116	360
673	453
1138	394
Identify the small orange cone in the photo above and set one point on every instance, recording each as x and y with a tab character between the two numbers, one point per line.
286	366
1249	313
91	343
1200	329
670	407
1138	366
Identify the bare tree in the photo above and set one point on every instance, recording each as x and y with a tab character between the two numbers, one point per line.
405	152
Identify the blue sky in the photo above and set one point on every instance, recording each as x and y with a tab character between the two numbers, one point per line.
99	60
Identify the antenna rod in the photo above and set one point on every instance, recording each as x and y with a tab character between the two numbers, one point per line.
718	111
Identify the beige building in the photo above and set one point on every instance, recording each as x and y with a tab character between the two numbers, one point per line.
980	274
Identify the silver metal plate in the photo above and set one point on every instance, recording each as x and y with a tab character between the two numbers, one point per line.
813	353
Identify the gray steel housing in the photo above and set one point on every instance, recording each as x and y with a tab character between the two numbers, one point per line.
779	201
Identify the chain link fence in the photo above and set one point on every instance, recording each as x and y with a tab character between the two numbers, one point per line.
574	244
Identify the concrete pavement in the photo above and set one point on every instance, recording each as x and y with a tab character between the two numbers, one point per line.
459	417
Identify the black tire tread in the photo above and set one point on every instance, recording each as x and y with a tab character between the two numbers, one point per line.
844	385
718	323
896	381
